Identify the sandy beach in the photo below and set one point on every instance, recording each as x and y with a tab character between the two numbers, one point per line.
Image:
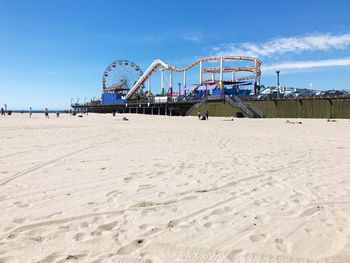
173	189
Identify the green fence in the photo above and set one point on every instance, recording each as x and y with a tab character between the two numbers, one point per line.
303	108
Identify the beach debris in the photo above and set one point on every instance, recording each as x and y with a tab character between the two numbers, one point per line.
173	223
72	257
293	122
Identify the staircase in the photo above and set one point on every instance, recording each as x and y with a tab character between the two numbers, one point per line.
248	108
195	106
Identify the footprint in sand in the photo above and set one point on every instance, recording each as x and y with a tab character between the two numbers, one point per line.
143	226
113	193
2	197
19	220
258	237
84	224
282	246
128	179
96	233
107	227
21	204
231	256
310	211
79	236
50	258
208	225
131	247
12	236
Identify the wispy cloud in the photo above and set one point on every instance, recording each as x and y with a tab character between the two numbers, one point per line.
315	42
191	36
307	64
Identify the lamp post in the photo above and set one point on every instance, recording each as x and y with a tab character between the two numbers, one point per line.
278	83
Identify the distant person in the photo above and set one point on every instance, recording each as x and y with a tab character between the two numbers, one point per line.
2	111
57	114
47	113
199	115
207	115
70	112
30	112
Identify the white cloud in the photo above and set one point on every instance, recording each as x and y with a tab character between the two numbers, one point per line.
191	36
285	45
307	64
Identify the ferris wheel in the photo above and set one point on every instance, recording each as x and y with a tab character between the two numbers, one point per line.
120	76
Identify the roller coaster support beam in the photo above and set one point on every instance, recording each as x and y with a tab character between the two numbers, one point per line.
255	75
200	72
233	76
185	82
171	83
149	87
162	81
221	71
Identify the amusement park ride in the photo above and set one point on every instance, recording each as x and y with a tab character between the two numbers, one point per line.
125	78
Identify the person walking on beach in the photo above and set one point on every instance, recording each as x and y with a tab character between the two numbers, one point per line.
2	111
47	113
199	115
207	114
30	112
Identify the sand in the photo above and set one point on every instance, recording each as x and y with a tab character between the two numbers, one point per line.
173	189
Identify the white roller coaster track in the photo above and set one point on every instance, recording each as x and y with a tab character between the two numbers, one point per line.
158	63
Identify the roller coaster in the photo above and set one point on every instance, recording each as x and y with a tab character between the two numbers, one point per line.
159	65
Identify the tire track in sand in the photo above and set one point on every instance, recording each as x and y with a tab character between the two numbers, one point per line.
39	166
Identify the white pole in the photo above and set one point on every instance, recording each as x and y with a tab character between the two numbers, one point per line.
184	82
233	76
255	70
171	84
256	75
162	81
212	76
200	72
221	68
149	86
185	78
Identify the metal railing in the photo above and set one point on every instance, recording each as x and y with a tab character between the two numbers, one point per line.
255	110
239	105
195	106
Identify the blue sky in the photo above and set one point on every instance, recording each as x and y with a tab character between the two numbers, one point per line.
53	51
